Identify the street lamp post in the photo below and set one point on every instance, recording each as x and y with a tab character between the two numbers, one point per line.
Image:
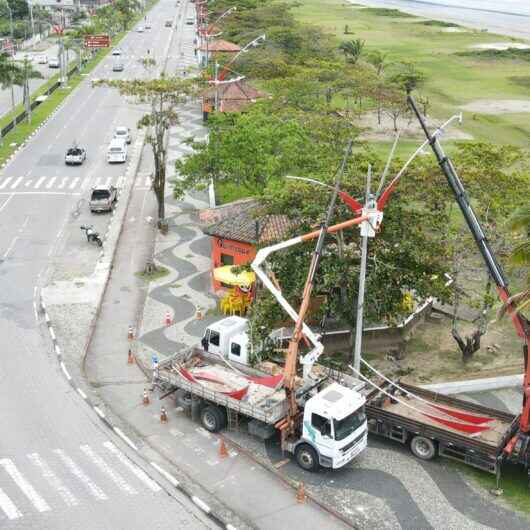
32	22
207	35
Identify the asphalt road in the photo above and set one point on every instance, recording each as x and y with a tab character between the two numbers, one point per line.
59	467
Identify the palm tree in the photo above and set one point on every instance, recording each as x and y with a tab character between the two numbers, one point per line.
8	71
23	74
519	221
352	49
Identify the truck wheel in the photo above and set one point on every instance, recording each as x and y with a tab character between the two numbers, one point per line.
213	418
306	457
423	448
183	400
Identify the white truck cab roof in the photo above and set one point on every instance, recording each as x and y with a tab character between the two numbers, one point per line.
230	324
336	401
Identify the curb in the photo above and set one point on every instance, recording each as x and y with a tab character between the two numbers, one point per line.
197	501
476	385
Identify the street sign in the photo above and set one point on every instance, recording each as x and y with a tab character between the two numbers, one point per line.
97	41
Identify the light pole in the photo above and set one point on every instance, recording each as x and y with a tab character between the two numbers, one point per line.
32	22
207	35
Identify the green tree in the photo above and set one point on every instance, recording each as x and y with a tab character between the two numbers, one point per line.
161	96
23	74
352	49
126	10
8	73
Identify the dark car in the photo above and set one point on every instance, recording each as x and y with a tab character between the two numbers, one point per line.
75	156
103	198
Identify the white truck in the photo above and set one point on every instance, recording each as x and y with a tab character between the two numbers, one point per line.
216	385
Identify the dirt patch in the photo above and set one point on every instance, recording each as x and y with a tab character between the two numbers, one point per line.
498	106
432	355
501	46
409	127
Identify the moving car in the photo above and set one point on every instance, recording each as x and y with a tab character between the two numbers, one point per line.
169	23
53	63
116	51
123	133
75	156
103	198
190	20
140	29
117	67
117	151
42	59
147	25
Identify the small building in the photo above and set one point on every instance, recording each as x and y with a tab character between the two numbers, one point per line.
208	48
230	97
238	228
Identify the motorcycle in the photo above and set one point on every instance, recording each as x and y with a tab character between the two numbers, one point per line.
91	235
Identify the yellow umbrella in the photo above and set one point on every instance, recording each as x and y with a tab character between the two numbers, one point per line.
226	276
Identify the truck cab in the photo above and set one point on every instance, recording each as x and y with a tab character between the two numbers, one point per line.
218	338
334	428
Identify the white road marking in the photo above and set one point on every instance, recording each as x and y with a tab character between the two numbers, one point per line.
94	489
105	468
53	480
65	371
140	473
50	183
165	474
74	183
39	182
27	489
8	506
28	183
201	504
5	182
10	248
81	393
99	412
16	183
148	181
63	183
125	438
6	202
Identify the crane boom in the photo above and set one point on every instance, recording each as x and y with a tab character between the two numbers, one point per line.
519	446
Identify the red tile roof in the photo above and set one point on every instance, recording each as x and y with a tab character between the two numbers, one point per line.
233	96
220	45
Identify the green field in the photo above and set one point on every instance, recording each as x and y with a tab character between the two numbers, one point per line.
452	80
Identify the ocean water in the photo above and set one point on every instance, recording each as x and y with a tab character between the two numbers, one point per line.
505	17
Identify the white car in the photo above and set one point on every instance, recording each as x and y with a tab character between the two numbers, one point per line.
116	51
190	20
147	25
75	156
53	63
42	59
140	29
123	133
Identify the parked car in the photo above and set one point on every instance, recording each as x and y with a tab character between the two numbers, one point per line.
54	63
42	59
103	199
169	23
117	67
75	156
124	133
190	20
117	151
140	29
116	51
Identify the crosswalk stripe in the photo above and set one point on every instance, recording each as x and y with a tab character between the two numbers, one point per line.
39	182
94	489
53	480
63	183
16	183
140	473
50	183
74	183
28	183
5	183
27	489
105	468
8	506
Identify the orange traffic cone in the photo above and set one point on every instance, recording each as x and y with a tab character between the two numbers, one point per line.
145	399
300	494
223	453
130	358
130	333
163	415
168	319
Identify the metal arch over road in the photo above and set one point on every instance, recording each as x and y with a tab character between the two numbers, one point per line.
58	467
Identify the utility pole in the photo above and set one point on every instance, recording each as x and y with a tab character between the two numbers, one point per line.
32	22
216	105
13	56
366	231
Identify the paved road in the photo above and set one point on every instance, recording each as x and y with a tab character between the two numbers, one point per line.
59	468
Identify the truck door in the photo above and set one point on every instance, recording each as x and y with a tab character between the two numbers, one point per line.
322	434
213	341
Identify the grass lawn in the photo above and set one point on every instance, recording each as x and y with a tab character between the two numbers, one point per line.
452	80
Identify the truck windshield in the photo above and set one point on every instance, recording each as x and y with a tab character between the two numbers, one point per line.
343	428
